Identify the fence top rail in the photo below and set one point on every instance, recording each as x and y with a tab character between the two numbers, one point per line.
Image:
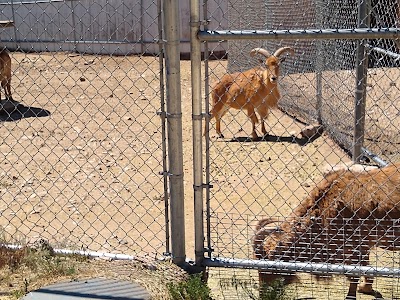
303	34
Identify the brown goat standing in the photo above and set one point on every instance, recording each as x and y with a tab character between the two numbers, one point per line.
5	73
253	90
346	215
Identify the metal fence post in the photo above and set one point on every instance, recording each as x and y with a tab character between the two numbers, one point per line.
361	83
163	125
319	62
195	57
174	123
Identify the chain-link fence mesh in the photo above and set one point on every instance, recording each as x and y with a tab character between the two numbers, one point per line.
269	178
337	63
83	142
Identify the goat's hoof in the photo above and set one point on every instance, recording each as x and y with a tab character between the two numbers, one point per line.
377	295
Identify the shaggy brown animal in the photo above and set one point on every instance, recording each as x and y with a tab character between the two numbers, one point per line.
253	90
5	73
346	215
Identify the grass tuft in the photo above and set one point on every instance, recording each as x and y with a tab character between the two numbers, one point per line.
192	289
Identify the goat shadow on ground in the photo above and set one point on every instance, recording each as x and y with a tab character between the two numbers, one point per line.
17	111
277	139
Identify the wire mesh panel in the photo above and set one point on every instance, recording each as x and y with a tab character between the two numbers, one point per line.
272	176
83	142
335	63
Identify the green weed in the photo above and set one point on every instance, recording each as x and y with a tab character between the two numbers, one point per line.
192	289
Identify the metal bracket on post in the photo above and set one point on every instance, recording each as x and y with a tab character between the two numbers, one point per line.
206	116
197	117
205	22
200	23
203	186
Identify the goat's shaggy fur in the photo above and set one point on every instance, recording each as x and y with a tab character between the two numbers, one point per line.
5	73
346	215
255	90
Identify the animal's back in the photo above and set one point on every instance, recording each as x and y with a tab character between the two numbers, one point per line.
358	204
371	194
221	88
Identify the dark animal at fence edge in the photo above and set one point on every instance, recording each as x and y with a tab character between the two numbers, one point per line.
5	73
346	215
253	90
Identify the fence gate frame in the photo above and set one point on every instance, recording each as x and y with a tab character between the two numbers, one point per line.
200	35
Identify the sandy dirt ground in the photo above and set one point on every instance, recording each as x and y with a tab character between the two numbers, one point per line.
82	160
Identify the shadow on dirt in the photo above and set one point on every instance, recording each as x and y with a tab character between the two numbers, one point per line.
13	111
277	139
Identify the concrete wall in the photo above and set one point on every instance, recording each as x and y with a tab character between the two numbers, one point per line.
116	27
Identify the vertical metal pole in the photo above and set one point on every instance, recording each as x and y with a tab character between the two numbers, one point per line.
163	125
319	64
15	27
361	83
142	29
207	126
195	57
74	25
320	60
174	123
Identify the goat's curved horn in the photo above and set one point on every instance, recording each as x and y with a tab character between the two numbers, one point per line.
264	222
262	51
282	50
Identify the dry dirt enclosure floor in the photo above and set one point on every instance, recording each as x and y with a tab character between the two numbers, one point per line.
82	165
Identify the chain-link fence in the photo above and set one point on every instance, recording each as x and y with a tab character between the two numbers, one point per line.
87	139
332	63
83	142
271	177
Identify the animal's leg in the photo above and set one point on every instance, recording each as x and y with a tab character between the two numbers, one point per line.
263	112
262	282
365	287
217	112
254	120
218	118
351	295
3	85
7	90
218	126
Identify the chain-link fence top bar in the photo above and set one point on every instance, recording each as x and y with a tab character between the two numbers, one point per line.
309	34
